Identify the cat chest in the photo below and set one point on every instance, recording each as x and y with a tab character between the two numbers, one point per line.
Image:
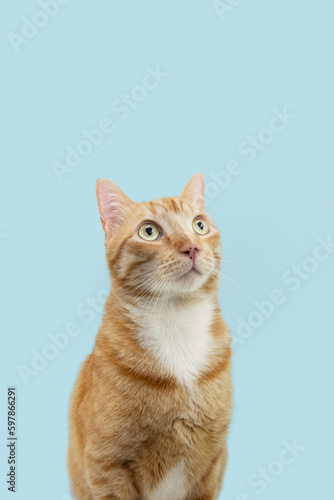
181	340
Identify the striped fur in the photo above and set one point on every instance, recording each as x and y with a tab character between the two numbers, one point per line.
151	407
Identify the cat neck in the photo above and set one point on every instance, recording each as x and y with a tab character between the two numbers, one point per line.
172	309
178	333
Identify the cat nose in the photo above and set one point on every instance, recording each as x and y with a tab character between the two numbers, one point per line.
192	250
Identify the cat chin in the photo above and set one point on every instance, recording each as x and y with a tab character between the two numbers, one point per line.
191	274
191	281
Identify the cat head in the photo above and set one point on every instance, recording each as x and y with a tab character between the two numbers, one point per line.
166	246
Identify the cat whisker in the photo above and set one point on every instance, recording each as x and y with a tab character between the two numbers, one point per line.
160	286
153	282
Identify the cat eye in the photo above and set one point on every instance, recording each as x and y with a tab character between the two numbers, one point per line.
200	226
149	231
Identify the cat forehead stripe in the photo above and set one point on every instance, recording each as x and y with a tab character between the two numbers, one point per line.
168	204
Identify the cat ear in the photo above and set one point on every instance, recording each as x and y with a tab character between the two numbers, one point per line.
194	191
113	205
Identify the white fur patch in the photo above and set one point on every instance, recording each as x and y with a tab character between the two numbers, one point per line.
179	337
172	486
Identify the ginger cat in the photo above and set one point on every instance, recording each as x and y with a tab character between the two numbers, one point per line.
151	407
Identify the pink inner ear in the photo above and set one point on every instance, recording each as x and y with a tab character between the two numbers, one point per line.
112	203
194	191
104	195
108	204
198	188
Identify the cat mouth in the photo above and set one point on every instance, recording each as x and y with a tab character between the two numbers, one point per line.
192	272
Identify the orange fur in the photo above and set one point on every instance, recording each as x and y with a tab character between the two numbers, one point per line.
136	430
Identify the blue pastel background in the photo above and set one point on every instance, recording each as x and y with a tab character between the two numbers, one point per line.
230	68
